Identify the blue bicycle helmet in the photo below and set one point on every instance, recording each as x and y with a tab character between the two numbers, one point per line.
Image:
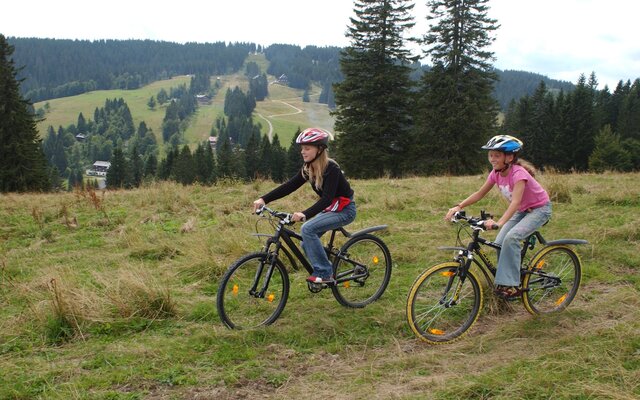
504	143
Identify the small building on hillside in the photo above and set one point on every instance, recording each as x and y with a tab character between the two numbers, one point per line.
99	168
282	80
213	141
203	99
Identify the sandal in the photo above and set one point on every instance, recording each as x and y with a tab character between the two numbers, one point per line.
508	293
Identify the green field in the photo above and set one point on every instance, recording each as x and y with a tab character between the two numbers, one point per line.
111	295
64	111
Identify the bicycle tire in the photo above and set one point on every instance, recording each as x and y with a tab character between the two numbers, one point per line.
552	280
237	308
428	315
372	253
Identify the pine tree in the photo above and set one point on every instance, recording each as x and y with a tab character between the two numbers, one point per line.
117	173
609	154
278	160
252	156
294	158
456	110
23	166
374	101
264	162
150	166
225	158
137	167
184	170
577	135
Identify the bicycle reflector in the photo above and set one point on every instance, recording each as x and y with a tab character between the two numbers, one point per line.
561	299
540	264
435	331
376	259
271	297
447	273
346	284
235	289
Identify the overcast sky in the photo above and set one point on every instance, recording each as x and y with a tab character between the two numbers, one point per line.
557	38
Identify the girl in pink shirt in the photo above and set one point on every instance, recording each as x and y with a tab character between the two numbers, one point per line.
529	209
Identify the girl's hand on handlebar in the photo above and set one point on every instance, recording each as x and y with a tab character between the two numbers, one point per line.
491	224
298	217
452	211
258	204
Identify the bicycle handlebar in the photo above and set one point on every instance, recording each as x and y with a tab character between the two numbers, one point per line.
282	216
474	222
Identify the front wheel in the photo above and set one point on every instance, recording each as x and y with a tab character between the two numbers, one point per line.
552	280
362	270
252	292
441	305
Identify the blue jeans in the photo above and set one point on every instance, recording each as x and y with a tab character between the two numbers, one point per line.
314	228
518	228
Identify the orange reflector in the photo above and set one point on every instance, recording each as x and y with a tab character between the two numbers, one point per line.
540	264
346	284
235	289
376	259
271	297
447	273
561	299
436	331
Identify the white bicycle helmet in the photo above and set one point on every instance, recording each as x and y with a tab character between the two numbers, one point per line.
504	143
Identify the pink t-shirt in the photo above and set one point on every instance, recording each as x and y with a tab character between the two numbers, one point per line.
534	195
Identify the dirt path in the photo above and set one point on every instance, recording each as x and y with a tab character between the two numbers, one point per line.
270	133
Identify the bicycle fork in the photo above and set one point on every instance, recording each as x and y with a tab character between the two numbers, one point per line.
453	300
270	260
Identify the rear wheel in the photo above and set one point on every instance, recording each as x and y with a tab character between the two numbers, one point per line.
362	271
441	306
552	280
242	300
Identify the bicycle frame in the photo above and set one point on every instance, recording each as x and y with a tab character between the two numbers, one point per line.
474	247
286	235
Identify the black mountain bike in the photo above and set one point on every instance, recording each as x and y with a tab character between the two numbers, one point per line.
254	290
444	301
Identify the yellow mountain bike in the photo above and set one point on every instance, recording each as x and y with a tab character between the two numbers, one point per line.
445	300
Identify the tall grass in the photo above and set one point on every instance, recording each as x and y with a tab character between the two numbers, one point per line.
112	295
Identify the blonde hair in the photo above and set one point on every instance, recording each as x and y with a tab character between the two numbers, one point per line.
531	169
315	169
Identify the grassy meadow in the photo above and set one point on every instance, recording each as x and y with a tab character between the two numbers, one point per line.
111	295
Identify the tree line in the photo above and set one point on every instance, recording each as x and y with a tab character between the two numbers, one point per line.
585	129
56	68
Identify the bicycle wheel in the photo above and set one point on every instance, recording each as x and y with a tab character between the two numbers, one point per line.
239	300
441	307
366	262
552	280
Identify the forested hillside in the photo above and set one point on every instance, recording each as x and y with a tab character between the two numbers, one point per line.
58	68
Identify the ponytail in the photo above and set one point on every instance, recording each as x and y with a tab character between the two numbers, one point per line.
531	169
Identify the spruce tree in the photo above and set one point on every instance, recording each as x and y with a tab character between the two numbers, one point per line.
252	156
374	101
456	112
117	173
23	166
278	160
264	162
294	158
